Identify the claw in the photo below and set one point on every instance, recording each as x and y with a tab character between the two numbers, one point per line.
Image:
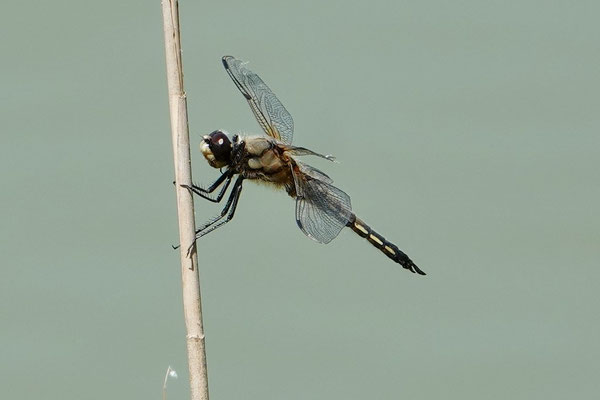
191	249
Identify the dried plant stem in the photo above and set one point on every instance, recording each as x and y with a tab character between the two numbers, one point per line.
185	206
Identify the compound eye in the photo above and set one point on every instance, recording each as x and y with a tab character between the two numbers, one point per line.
220	145
219	139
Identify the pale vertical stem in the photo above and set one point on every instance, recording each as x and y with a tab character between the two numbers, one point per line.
192	307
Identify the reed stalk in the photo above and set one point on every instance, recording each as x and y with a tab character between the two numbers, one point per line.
192	307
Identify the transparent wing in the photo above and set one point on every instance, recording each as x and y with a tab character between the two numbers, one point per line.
313	172
302	151
322	210
272	116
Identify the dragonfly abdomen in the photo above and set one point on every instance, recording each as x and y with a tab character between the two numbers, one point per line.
388	248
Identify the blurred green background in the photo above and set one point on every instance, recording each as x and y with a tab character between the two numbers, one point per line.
467	133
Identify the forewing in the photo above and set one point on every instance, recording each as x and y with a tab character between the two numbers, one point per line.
322	210
272	116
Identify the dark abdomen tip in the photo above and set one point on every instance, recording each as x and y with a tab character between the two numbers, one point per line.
388	248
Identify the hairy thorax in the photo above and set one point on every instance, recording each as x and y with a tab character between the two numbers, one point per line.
267	162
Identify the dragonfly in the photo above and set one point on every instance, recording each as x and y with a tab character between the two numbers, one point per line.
322	209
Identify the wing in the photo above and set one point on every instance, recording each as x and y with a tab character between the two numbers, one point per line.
313	172
301	151
322	210
272	116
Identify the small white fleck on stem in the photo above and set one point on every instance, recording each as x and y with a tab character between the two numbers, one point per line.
171	373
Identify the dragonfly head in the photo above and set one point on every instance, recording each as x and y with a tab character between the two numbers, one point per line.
216	148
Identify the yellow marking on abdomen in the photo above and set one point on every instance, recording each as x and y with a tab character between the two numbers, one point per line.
389	249
376	239
361	228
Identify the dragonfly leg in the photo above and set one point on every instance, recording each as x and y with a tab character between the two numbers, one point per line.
205	193
225	216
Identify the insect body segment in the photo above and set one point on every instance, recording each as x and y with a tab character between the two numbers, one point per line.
389	249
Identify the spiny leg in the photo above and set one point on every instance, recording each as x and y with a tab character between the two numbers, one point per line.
228	210
204	193
220	222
